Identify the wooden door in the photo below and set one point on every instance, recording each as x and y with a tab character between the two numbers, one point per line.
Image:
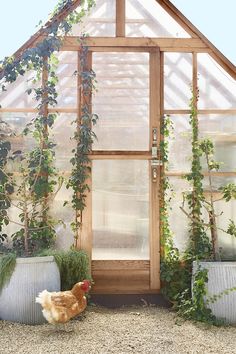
123	213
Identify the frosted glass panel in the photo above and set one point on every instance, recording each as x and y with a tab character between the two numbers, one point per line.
227	243
221	129
66	214
63	132
122	101
177	80
100	22
217	89
148	19
178	221
120	209
11	127
16	96
180	144
67	84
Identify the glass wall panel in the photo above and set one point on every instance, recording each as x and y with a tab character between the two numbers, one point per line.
178	220
122	101
225	211
221	129
67	215
120	209
67	79
100	22
180	144
11	128
62	134
148	19
177	80
16	96
227	243
217	89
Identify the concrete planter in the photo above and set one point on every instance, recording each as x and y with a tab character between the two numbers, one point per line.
221	276
31	275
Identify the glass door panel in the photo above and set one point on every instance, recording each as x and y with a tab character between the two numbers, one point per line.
122	101
120	200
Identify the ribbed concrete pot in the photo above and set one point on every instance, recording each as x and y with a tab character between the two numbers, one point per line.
221	276
31	275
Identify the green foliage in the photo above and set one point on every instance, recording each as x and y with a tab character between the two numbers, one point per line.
84	137
199	247
73	266
7	266
192	306
39	184
6	187
229	191
175	274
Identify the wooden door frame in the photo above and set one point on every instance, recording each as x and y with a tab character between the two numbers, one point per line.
148	271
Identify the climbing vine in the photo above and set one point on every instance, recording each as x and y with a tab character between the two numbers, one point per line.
40	182
175	274
84	137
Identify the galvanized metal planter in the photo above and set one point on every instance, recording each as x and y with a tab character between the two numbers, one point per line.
221	276
31	275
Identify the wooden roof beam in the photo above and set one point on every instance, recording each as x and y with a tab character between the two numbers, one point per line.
190	44
190	28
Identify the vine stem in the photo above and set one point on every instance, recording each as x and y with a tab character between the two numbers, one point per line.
212	215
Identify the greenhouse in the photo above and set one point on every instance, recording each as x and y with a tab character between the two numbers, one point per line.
142	62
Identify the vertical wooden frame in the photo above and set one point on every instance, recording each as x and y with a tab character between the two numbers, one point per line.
155	115
195	79
85	237
120	18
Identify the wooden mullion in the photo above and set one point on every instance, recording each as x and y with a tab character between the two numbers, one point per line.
155	115
120	18
86	230
162	168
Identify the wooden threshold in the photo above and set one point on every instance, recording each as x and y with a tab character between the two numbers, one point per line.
121	277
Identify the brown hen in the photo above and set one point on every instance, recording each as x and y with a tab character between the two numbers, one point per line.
60	307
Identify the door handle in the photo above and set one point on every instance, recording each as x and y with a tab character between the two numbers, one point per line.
154	174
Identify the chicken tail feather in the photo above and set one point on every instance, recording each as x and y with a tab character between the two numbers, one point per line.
44	298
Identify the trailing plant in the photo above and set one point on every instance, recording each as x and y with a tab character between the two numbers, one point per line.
198	201
6	188
39	175
193	306
175	274
84	137
73	266
199	247
7	266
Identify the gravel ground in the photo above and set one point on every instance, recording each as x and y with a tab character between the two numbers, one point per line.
146	330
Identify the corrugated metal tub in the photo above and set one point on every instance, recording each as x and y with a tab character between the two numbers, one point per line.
31	275
221	276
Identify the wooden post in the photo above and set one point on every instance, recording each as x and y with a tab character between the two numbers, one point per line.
120	18
155	115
